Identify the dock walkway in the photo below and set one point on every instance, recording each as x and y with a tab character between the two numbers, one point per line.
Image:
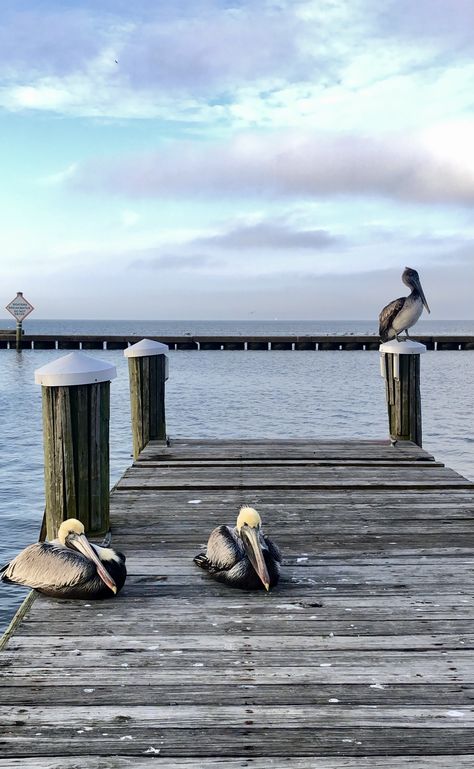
363	656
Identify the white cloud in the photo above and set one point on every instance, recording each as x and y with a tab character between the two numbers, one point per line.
129	218
328	64
271	235
296	165
58	178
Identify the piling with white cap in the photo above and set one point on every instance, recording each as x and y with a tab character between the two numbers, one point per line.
76	413
148	371
400	367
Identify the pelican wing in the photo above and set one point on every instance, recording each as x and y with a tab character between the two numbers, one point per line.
44	566
273	549
223	548
387	316
241	574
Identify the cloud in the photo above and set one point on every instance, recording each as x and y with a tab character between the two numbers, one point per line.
207	62
270	234
175	262
216	48
428	20
58	178
48	41
409	168
129	218
140	62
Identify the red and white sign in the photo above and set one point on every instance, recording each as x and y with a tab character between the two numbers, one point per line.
19	307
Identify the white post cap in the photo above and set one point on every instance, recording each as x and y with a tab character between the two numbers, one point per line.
406	347
145	347
74	369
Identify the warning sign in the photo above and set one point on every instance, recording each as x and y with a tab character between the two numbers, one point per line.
20	307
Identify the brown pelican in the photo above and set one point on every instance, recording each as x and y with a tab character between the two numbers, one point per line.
402	313
69	566
242	556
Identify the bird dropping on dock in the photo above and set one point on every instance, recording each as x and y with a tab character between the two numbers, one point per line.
69	566
403	313
242	556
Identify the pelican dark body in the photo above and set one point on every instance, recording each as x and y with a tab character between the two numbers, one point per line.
403	313
69	567
242	557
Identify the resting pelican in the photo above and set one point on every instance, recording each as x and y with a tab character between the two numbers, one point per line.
69	566
402	313
242	556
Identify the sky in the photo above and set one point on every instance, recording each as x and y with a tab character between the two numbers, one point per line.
236	160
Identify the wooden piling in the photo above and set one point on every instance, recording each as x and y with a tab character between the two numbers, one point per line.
76	442
401	370
147	365
19	332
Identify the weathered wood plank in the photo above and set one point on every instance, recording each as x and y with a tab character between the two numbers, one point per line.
277	462
121	644
266	626
450	695
289	477
197	716
129	762
326	665
143	473
200	742
222	602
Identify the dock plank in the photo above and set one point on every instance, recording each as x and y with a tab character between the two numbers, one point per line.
363	656
125	762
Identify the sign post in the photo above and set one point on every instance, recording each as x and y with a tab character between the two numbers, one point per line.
19	307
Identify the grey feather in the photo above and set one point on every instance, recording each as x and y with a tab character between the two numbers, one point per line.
387	316
224	547
47	563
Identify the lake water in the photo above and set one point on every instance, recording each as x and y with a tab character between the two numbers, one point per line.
330	394
225	327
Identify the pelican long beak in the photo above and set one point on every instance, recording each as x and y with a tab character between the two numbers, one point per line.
81	543
421	293
251	540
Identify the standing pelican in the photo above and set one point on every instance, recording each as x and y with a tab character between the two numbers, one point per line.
242	556
69	566
402	313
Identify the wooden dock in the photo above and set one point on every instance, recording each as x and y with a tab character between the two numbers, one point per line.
363	656
229	342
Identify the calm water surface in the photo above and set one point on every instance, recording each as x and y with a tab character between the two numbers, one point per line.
225	327
285	394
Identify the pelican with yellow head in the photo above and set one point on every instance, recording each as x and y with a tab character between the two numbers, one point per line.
69	566
242	556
